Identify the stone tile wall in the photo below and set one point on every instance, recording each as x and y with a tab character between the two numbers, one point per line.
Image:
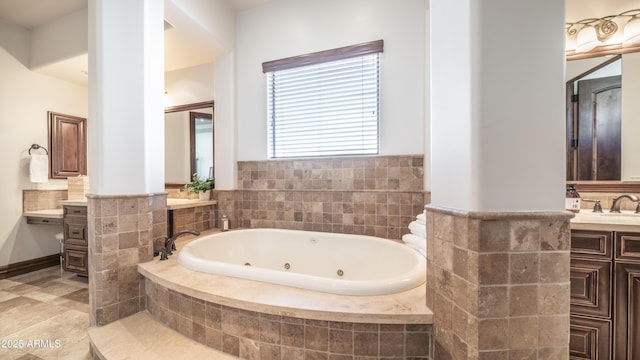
33	200
376	196
197	218
122	231
252	335
498	284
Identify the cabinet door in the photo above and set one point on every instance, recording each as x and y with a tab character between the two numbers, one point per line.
589	339
627	328
67	145
591	287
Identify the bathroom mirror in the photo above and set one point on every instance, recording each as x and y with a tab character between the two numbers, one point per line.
188	142
620	121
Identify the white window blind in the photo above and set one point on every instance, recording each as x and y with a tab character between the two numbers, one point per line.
327	108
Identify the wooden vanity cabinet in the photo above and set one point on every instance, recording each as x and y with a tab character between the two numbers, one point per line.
67	145
627	295
605	295
591	286
74	224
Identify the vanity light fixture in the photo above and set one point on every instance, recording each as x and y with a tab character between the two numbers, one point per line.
594	32
632	30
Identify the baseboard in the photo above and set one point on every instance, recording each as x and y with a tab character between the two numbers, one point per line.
23	267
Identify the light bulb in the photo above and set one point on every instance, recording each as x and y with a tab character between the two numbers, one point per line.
587	39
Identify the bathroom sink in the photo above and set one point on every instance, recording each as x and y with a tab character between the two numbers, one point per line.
625	220
606	214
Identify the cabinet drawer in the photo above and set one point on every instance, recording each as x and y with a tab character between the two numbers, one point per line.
34	220
628	246
75	233
589	338
591	288
75	211
76	260
591	244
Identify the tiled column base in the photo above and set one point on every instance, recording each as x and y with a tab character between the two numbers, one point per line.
121	229
253	335
498	284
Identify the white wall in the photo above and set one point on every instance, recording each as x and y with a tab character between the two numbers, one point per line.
60	39
26	97
189	85
295	27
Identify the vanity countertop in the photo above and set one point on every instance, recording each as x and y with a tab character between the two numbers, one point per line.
73	202
588	220
48	213
175	204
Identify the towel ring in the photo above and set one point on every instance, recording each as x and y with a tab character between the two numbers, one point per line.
36	147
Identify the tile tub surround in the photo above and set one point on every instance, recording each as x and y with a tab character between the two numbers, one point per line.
122	230
375	196
257	320
185	217
498	284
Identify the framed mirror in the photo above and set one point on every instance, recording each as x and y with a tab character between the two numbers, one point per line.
189	140
601	122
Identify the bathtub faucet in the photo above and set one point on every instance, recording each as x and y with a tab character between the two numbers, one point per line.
169	243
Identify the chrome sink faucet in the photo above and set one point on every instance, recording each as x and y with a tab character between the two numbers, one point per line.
615	207
169	243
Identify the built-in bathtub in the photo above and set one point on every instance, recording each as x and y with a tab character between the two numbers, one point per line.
334	263
255	319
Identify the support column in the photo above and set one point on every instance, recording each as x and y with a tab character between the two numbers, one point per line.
127	203
498	284
498	236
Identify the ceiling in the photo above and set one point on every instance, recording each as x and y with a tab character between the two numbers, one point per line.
33	13
186	45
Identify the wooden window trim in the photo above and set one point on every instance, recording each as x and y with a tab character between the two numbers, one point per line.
324	56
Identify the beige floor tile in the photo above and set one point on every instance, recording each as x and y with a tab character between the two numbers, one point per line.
40	296
51	337
7	283
59	288
15	354
4	296
22	289
45	305
15	302
77	351
23	316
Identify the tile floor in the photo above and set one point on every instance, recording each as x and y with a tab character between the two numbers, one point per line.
44	315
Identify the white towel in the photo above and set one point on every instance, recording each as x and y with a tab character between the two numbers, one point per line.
39	168
418	229
422	217
416	242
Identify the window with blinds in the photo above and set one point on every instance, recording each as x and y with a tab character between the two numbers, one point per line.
324	104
